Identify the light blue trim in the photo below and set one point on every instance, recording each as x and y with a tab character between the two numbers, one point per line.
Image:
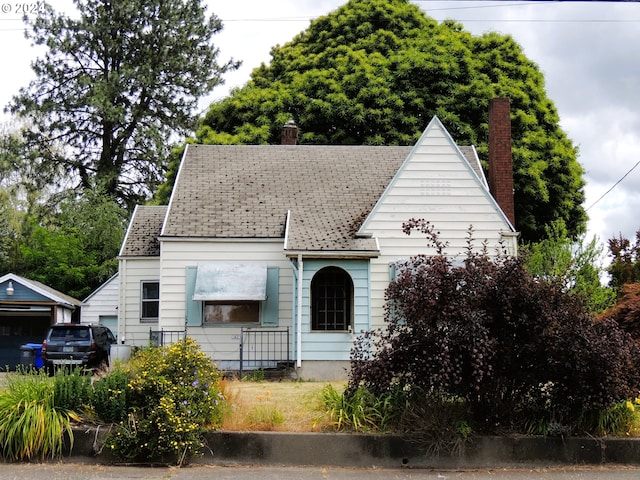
294	309
192	308
336	345
270	308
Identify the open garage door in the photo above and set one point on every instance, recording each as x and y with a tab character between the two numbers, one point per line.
27	309
16	329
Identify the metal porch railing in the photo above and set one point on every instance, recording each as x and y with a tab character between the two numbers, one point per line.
262	349
163	337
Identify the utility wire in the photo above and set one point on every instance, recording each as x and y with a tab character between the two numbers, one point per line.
614	185
497	4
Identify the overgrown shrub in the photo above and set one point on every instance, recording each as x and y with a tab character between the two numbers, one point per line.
174	396
109	396
71	389
626	312
256	375
31	426
518	350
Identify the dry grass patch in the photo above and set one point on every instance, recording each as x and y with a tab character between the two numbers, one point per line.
276	406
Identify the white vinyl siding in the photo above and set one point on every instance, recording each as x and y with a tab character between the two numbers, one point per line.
102	303
134	271
221	343
435	183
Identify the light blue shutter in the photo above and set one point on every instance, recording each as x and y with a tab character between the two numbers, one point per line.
270	311
193	308
393	274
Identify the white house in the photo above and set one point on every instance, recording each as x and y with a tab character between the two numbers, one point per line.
102	305
261	239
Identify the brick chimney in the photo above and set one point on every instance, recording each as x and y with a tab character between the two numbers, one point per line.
500	162
289	133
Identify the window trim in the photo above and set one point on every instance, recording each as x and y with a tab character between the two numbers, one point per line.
347	281
269	308
258	303
149	300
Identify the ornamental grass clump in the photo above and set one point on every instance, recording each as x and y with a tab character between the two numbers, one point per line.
265	415
32	426
360	410
174	397
621	419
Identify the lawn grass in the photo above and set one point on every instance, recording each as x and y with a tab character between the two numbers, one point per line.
286	406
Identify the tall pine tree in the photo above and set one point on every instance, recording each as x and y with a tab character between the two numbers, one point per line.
118	80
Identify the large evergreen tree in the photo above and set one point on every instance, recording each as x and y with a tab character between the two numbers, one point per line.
116	82
376	71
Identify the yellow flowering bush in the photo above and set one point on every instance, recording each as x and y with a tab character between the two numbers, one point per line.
621	419
174	396
109	396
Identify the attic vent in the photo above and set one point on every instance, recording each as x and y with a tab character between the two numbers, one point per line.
435	187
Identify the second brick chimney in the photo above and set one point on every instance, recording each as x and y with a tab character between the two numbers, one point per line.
289	133
500	160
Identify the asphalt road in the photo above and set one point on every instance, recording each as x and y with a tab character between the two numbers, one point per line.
67	471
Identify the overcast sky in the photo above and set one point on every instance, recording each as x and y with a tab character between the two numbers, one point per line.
589	53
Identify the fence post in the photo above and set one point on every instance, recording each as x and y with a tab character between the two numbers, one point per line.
288	350
241	350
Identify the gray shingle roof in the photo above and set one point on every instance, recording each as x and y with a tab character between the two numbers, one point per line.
246	191
471	155
142	235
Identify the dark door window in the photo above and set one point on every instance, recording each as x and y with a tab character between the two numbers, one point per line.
331	300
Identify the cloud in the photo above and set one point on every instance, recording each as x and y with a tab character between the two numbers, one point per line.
590	56
589	53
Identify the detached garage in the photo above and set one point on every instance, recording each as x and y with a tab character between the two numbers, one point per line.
27	309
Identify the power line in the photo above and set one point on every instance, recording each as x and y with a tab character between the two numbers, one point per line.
497	4
614	185
476	7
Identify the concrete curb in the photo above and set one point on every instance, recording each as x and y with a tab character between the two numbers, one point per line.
385	451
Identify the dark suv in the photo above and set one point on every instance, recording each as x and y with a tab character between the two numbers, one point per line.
77	344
